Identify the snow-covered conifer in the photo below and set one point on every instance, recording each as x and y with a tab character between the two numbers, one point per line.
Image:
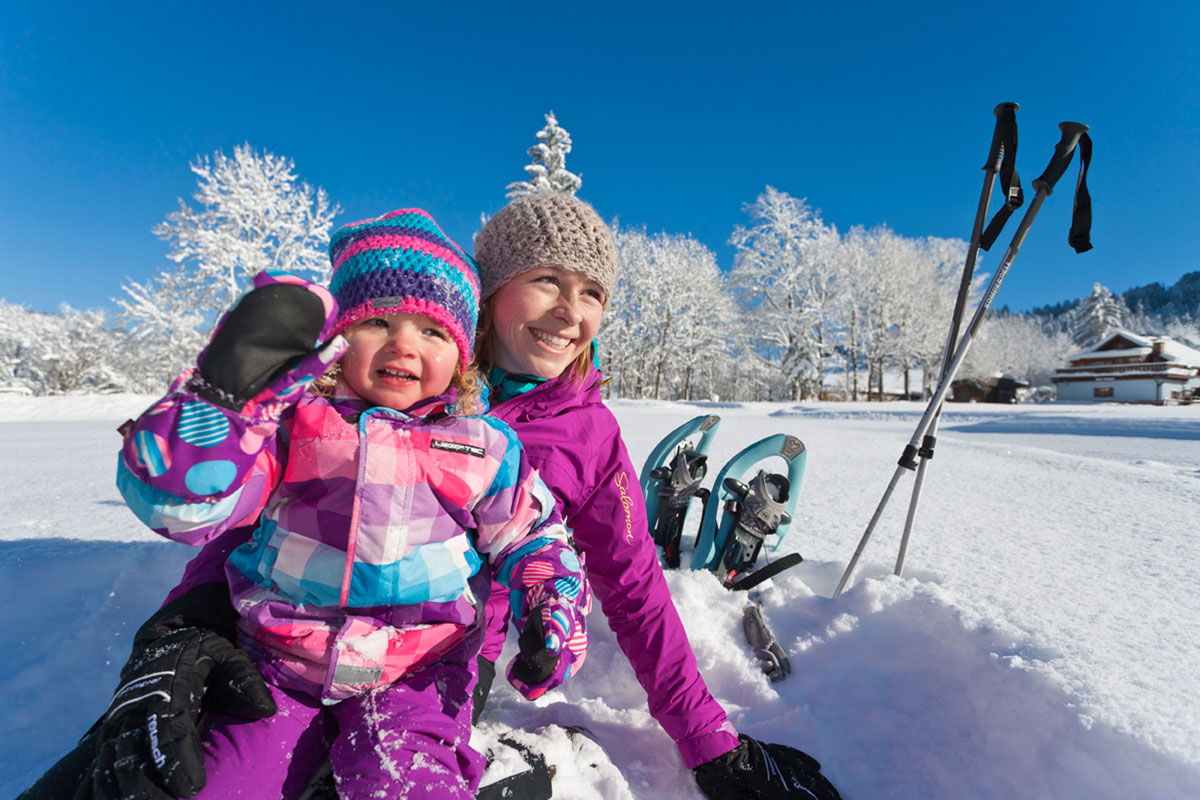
1096	316
548	172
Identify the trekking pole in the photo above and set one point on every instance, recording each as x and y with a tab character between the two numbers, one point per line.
1002	152
1073	134
1001	159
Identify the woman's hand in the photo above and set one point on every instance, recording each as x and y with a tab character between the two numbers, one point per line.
754	769
148	744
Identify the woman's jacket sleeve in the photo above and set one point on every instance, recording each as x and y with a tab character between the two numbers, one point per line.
610	528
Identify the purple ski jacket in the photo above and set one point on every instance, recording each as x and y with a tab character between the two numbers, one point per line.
574	442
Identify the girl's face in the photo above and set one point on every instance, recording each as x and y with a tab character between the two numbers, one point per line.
394	360
543	319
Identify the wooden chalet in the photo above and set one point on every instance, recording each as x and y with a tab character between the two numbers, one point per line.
1127	368
995	389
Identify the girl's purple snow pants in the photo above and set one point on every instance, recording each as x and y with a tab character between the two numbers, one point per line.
407	740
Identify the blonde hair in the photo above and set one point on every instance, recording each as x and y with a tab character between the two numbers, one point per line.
466	381
485	346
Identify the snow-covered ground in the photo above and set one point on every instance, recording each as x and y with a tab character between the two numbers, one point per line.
1044	642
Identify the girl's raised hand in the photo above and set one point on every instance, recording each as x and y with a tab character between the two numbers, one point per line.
270	346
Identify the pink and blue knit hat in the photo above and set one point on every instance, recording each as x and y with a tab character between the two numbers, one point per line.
402	262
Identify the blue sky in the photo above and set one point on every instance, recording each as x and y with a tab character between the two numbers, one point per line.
680	114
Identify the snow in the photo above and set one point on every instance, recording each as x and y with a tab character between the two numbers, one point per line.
1043	643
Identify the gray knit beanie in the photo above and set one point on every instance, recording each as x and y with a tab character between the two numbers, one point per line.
545	229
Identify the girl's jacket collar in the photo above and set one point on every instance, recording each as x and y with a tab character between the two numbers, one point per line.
349	404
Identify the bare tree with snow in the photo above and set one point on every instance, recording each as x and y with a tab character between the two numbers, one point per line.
69	352
786	279
668	320
1016	345
548	172
253	214
166	324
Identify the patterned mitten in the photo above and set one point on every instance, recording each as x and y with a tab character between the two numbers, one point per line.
551	600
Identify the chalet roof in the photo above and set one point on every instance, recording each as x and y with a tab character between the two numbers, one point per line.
1122	344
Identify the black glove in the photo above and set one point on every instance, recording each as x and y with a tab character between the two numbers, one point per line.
535	663
148	743
757	771
270	334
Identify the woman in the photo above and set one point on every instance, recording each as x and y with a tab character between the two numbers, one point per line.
549	265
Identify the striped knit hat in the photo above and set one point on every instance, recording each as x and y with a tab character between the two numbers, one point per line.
402	262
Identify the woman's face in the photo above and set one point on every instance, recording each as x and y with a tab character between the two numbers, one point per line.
543	319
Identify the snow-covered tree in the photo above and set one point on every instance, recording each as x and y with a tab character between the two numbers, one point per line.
548	172
786	279
71	351
668	320
927	305
161	316
1096	316
1016	345
253	214
895	302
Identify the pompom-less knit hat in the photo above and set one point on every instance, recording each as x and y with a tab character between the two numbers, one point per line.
402	262
545	229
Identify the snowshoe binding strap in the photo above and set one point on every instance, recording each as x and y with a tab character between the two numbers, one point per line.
764	504
758	509
682	478
678	484
744	583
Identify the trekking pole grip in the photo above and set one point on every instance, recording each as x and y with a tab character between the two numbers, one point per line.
1005	130
1071	132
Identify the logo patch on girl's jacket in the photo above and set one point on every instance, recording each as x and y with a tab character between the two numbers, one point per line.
457	447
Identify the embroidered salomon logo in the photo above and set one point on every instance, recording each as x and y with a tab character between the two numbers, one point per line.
457	447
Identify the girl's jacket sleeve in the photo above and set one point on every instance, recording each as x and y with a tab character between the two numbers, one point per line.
191	470
519	529
609	525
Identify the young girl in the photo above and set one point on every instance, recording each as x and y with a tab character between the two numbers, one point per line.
361	592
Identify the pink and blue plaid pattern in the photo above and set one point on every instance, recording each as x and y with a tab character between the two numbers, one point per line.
358	572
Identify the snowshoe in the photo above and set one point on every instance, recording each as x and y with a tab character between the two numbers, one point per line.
774	499
758	509
678	484
533	783
589	764
670	479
